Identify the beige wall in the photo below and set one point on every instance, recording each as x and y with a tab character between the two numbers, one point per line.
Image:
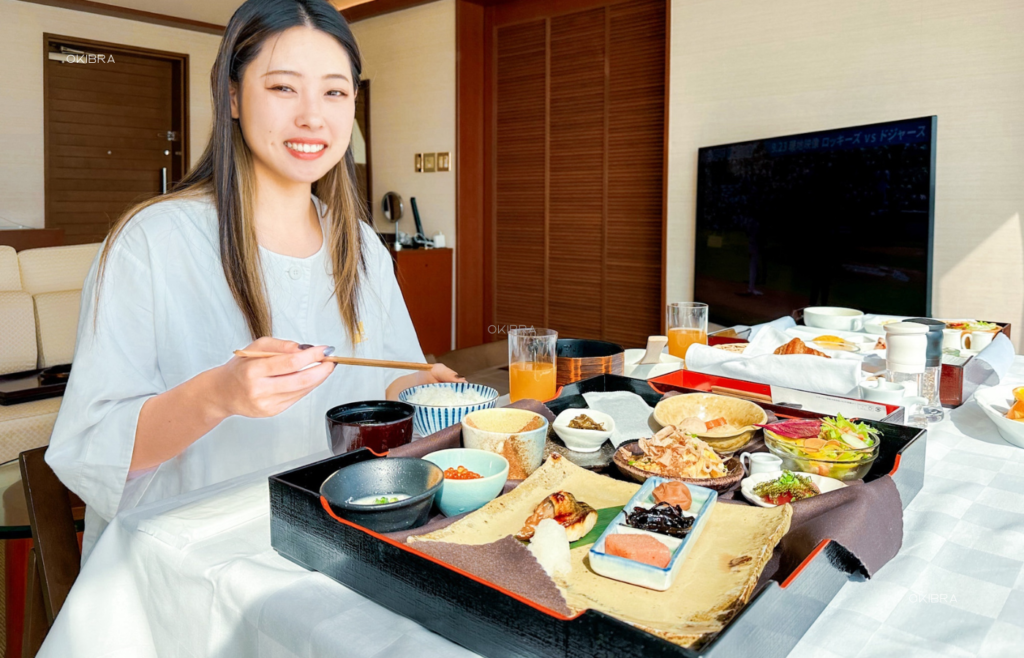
21	81
744	69
409	58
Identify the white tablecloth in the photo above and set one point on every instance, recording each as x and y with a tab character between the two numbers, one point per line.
196	576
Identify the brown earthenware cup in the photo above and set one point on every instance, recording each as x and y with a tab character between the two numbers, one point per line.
379	425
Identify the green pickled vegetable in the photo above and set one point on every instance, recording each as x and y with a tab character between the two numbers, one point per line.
787	487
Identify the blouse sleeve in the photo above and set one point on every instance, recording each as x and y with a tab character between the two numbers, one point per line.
114	372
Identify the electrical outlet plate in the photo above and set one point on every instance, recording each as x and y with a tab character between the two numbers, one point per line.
444	161
429	162
419	163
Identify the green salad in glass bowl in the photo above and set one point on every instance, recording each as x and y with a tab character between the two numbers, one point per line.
833	447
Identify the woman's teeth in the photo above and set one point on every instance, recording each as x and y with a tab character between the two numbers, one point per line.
305	148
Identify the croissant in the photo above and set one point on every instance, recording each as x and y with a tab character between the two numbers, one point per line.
797	346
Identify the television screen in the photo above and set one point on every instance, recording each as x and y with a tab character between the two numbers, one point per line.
832	218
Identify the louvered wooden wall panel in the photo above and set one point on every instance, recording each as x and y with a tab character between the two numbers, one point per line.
636	134
519	174
576	177
589	87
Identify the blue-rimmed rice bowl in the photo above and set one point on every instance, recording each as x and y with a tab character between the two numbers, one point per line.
433	418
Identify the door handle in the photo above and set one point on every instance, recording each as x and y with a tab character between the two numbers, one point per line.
163	181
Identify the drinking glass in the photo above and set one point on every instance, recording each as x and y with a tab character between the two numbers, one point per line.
531	363
687	324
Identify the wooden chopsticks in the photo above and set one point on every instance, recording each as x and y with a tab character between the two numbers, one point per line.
349	361
736	393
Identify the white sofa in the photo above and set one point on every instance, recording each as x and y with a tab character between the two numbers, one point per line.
40	292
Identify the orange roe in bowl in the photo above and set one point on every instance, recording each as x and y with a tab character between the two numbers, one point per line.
462	473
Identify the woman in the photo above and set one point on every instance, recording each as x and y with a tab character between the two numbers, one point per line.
263	237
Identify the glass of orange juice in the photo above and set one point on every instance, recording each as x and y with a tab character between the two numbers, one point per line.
687	324
531	363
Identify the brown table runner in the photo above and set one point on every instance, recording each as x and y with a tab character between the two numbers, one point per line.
865	518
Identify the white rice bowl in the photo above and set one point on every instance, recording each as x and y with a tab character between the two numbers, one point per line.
438	406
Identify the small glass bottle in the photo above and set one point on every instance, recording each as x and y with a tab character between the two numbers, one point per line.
932	375
915	408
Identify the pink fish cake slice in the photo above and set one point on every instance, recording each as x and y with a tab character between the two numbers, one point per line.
639	548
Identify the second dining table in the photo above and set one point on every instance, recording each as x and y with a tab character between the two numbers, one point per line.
195	575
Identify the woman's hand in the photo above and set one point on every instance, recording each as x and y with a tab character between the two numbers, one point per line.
438	373
442	373
262	387
244	386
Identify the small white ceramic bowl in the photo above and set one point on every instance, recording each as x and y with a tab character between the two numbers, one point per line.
884	391
995	402
747	485
583	440
834	317
876	324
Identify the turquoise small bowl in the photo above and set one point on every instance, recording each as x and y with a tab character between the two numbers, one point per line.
461	496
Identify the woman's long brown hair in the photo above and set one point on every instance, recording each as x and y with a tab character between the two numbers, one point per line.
225	170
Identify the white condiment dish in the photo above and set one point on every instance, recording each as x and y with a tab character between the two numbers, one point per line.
884	391
834	317
825	484
579	440
639	573
875	324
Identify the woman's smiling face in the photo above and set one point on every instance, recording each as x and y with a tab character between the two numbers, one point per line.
296	105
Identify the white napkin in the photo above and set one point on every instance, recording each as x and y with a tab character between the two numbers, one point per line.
991	364
208	517
630	412
785	322
839	375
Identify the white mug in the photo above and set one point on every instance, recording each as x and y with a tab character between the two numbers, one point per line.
951	339
760	462
976	341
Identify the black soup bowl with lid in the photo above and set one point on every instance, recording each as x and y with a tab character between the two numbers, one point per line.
379	425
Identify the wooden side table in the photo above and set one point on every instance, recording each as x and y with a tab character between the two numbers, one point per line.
425	277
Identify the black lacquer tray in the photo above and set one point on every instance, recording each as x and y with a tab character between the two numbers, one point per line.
497	623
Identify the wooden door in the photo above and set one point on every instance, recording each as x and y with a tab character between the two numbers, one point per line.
115	133
576	125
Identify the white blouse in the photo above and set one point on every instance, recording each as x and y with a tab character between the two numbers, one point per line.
165	314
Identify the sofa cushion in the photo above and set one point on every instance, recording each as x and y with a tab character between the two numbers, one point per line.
27	425
10	276
57	326
52	269
17	333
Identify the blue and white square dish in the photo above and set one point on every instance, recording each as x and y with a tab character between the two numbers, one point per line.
646	575
434	418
